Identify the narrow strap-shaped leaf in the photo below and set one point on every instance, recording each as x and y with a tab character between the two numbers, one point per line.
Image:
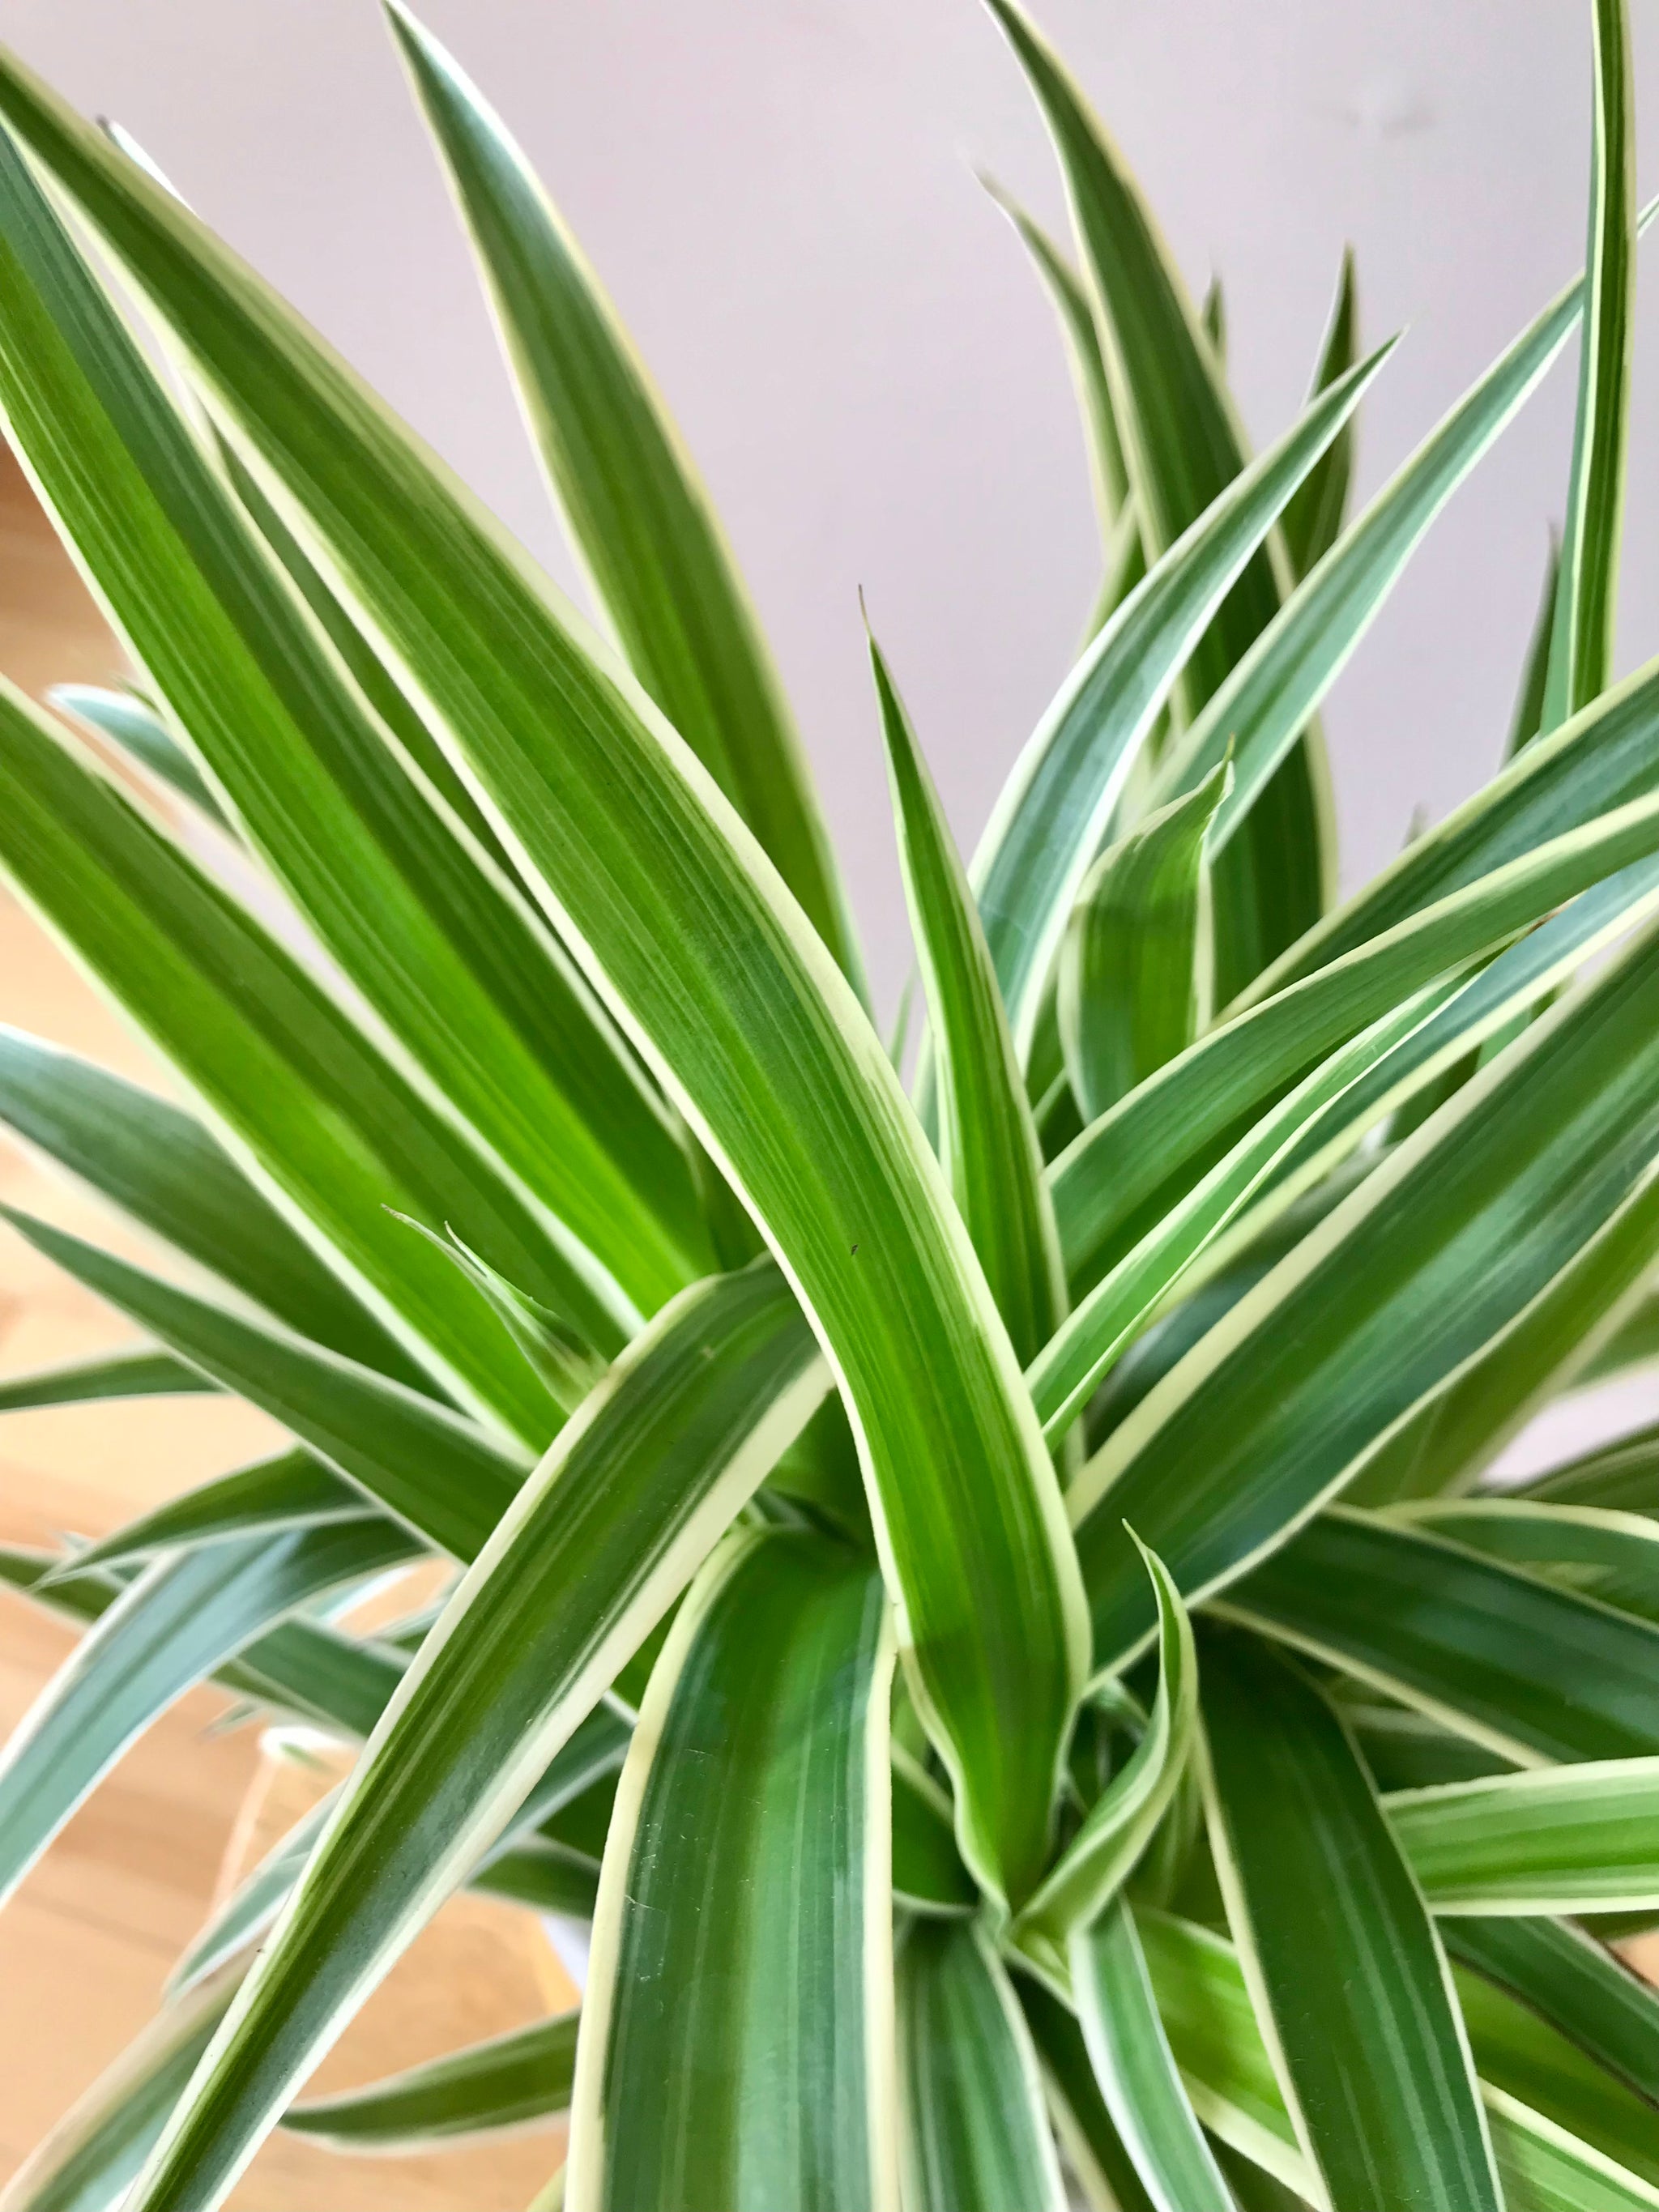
290	1491
1340	1954
1218	2042
753	1803
1161	1133
1266	698
167	1173
1580	643
1213	320
928	1875
987	1143
1135	968
592	1552
1136	2071
684	926
1562	1839
1312	520
1534	1670
333	1133
1528	720
1576	1983
975	2134
1520	2055
1184	447
1058	803
1092	2147
1118	1826
1619	1477
139	731
464	972
95	2150
120	1375
1633	1344
1421	1266
177	1623
511	2081
1609	1555
441	1474
1606	755
641	521
1120	535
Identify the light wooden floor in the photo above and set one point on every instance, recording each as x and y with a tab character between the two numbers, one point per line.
86	1944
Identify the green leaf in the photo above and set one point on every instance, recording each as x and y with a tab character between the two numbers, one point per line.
1619	1477
1564	1839
1135	968
752	1803
928	1875
177	1623
1091	2146
290	1491
1339	1955
1416	1270
512	2080
679	920
444	1477
1464	1427
1312	521
120	1375
125	720
1633	1344
592	1552
1184	447
1605	757
87	2161
1522	2056
1120	1824
166	1172
1153	1143
1575	1984
1212	2029
974	2135
1254	714
987	1143
1059	799
1534	1671
639	517
1608	1555
1528	720
1119	535
1136	2071
1581	644
331	1133
466	975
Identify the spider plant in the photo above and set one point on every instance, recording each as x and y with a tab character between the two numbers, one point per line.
985	1595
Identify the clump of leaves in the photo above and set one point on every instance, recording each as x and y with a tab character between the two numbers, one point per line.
984	1598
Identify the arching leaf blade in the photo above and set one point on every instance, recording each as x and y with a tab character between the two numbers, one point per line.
512	2081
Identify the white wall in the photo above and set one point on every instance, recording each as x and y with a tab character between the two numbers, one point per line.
781	199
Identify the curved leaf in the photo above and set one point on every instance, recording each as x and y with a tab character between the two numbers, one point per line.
753	1804
512	2081
1607	1555
129	723
1312	520
1565	1839
1339	1955
1619	1477
121	1375
290	1491
1092	2147
1574	1983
